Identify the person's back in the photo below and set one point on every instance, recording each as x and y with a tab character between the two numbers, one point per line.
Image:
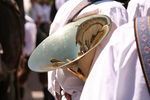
117	71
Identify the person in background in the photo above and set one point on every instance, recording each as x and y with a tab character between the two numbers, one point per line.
29	46
11	39
34	35
36	12
45	18
62	80
30	36
117	72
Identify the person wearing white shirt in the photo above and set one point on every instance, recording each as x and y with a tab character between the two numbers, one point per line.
45	18
36	12
62	79
29	46
137	8
117	72
30	36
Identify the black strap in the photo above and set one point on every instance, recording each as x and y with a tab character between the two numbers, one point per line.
142	34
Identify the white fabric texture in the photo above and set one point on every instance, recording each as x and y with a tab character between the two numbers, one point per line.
66	13
30	36
59	3
27	6
117	73
138	8
63	78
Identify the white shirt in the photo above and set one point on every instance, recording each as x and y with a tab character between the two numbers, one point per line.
117	73
63	78
59	3
138	8
27	6
30	36
36	11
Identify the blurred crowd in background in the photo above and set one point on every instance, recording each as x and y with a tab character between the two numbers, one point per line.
23	25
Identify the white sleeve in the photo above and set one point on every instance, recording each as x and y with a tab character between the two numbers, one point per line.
53	85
